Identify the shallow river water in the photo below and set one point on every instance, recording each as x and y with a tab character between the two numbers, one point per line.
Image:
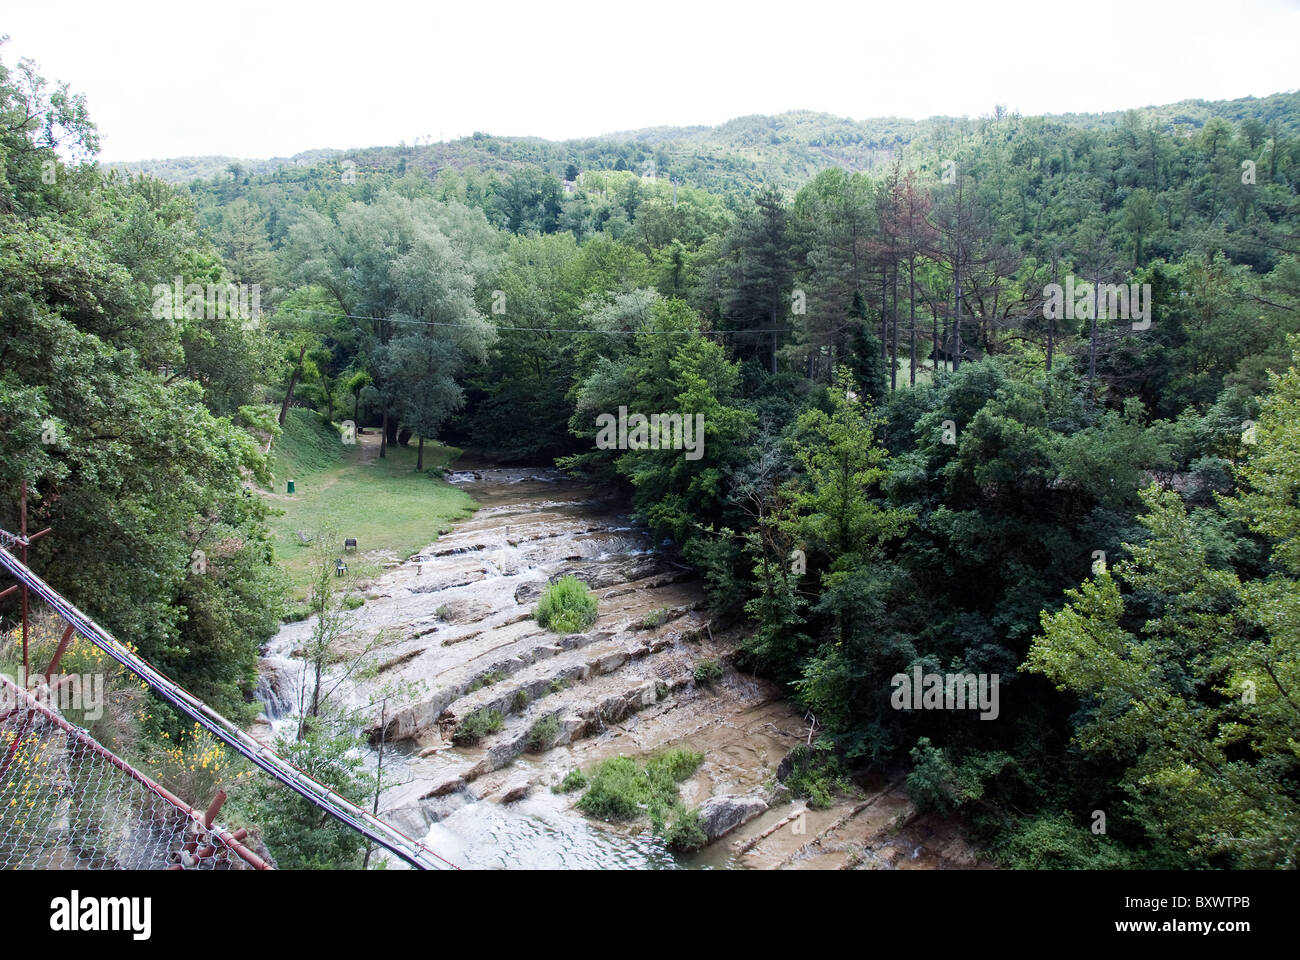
455	635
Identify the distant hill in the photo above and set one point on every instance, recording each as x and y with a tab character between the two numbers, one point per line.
786	149
1280	108
185	169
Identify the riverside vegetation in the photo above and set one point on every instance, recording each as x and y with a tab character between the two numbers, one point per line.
908	464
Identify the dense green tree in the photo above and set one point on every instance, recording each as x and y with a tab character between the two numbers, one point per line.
400	264
155	533
754	278
420	369
844	524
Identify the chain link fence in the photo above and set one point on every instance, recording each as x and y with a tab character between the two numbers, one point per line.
66	803
61	804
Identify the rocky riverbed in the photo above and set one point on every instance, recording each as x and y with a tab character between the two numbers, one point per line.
450	632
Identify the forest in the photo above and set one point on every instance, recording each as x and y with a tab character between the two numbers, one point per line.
919	453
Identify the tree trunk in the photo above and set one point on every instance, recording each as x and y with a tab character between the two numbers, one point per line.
293	382
884	316
911	299
419	457
956	322
934	339
956	319
893	339
774	338
379	773
383	435
315	693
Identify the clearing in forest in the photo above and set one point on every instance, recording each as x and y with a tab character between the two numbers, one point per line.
389	509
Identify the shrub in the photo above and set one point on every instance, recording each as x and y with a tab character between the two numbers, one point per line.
543	733
353	602
1052	842
619	790
684	834
932	783
566	606
575	779
655	618
674	765
520	701
819	795
622	790
476	726
297	613
485	680
816	776
708	672
936	784
292	828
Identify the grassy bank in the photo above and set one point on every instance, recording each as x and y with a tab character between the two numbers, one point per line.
391	510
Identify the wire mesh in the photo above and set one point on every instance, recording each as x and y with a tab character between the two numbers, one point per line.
68	803
328	800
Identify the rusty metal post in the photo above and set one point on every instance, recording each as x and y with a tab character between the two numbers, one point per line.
214	808
58	652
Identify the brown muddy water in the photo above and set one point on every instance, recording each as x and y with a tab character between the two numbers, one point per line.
455	634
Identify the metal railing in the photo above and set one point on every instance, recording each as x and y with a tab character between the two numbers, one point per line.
346	812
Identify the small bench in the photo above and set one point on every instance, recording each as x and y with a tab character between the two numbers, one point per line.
350	543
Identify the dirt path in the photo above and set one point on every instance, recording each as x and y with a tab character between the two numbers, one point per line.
368	446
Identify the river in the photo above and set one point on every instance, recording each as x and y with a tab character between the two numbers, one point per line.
449	631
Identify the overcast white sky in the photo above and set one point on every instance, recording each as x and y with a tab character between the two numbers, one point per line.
272	78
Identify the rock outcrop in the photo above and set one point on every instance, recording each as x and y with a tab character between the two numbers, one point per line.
720	815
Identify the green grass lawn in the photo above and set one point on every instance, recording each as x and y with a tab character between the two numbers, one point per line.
391	510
